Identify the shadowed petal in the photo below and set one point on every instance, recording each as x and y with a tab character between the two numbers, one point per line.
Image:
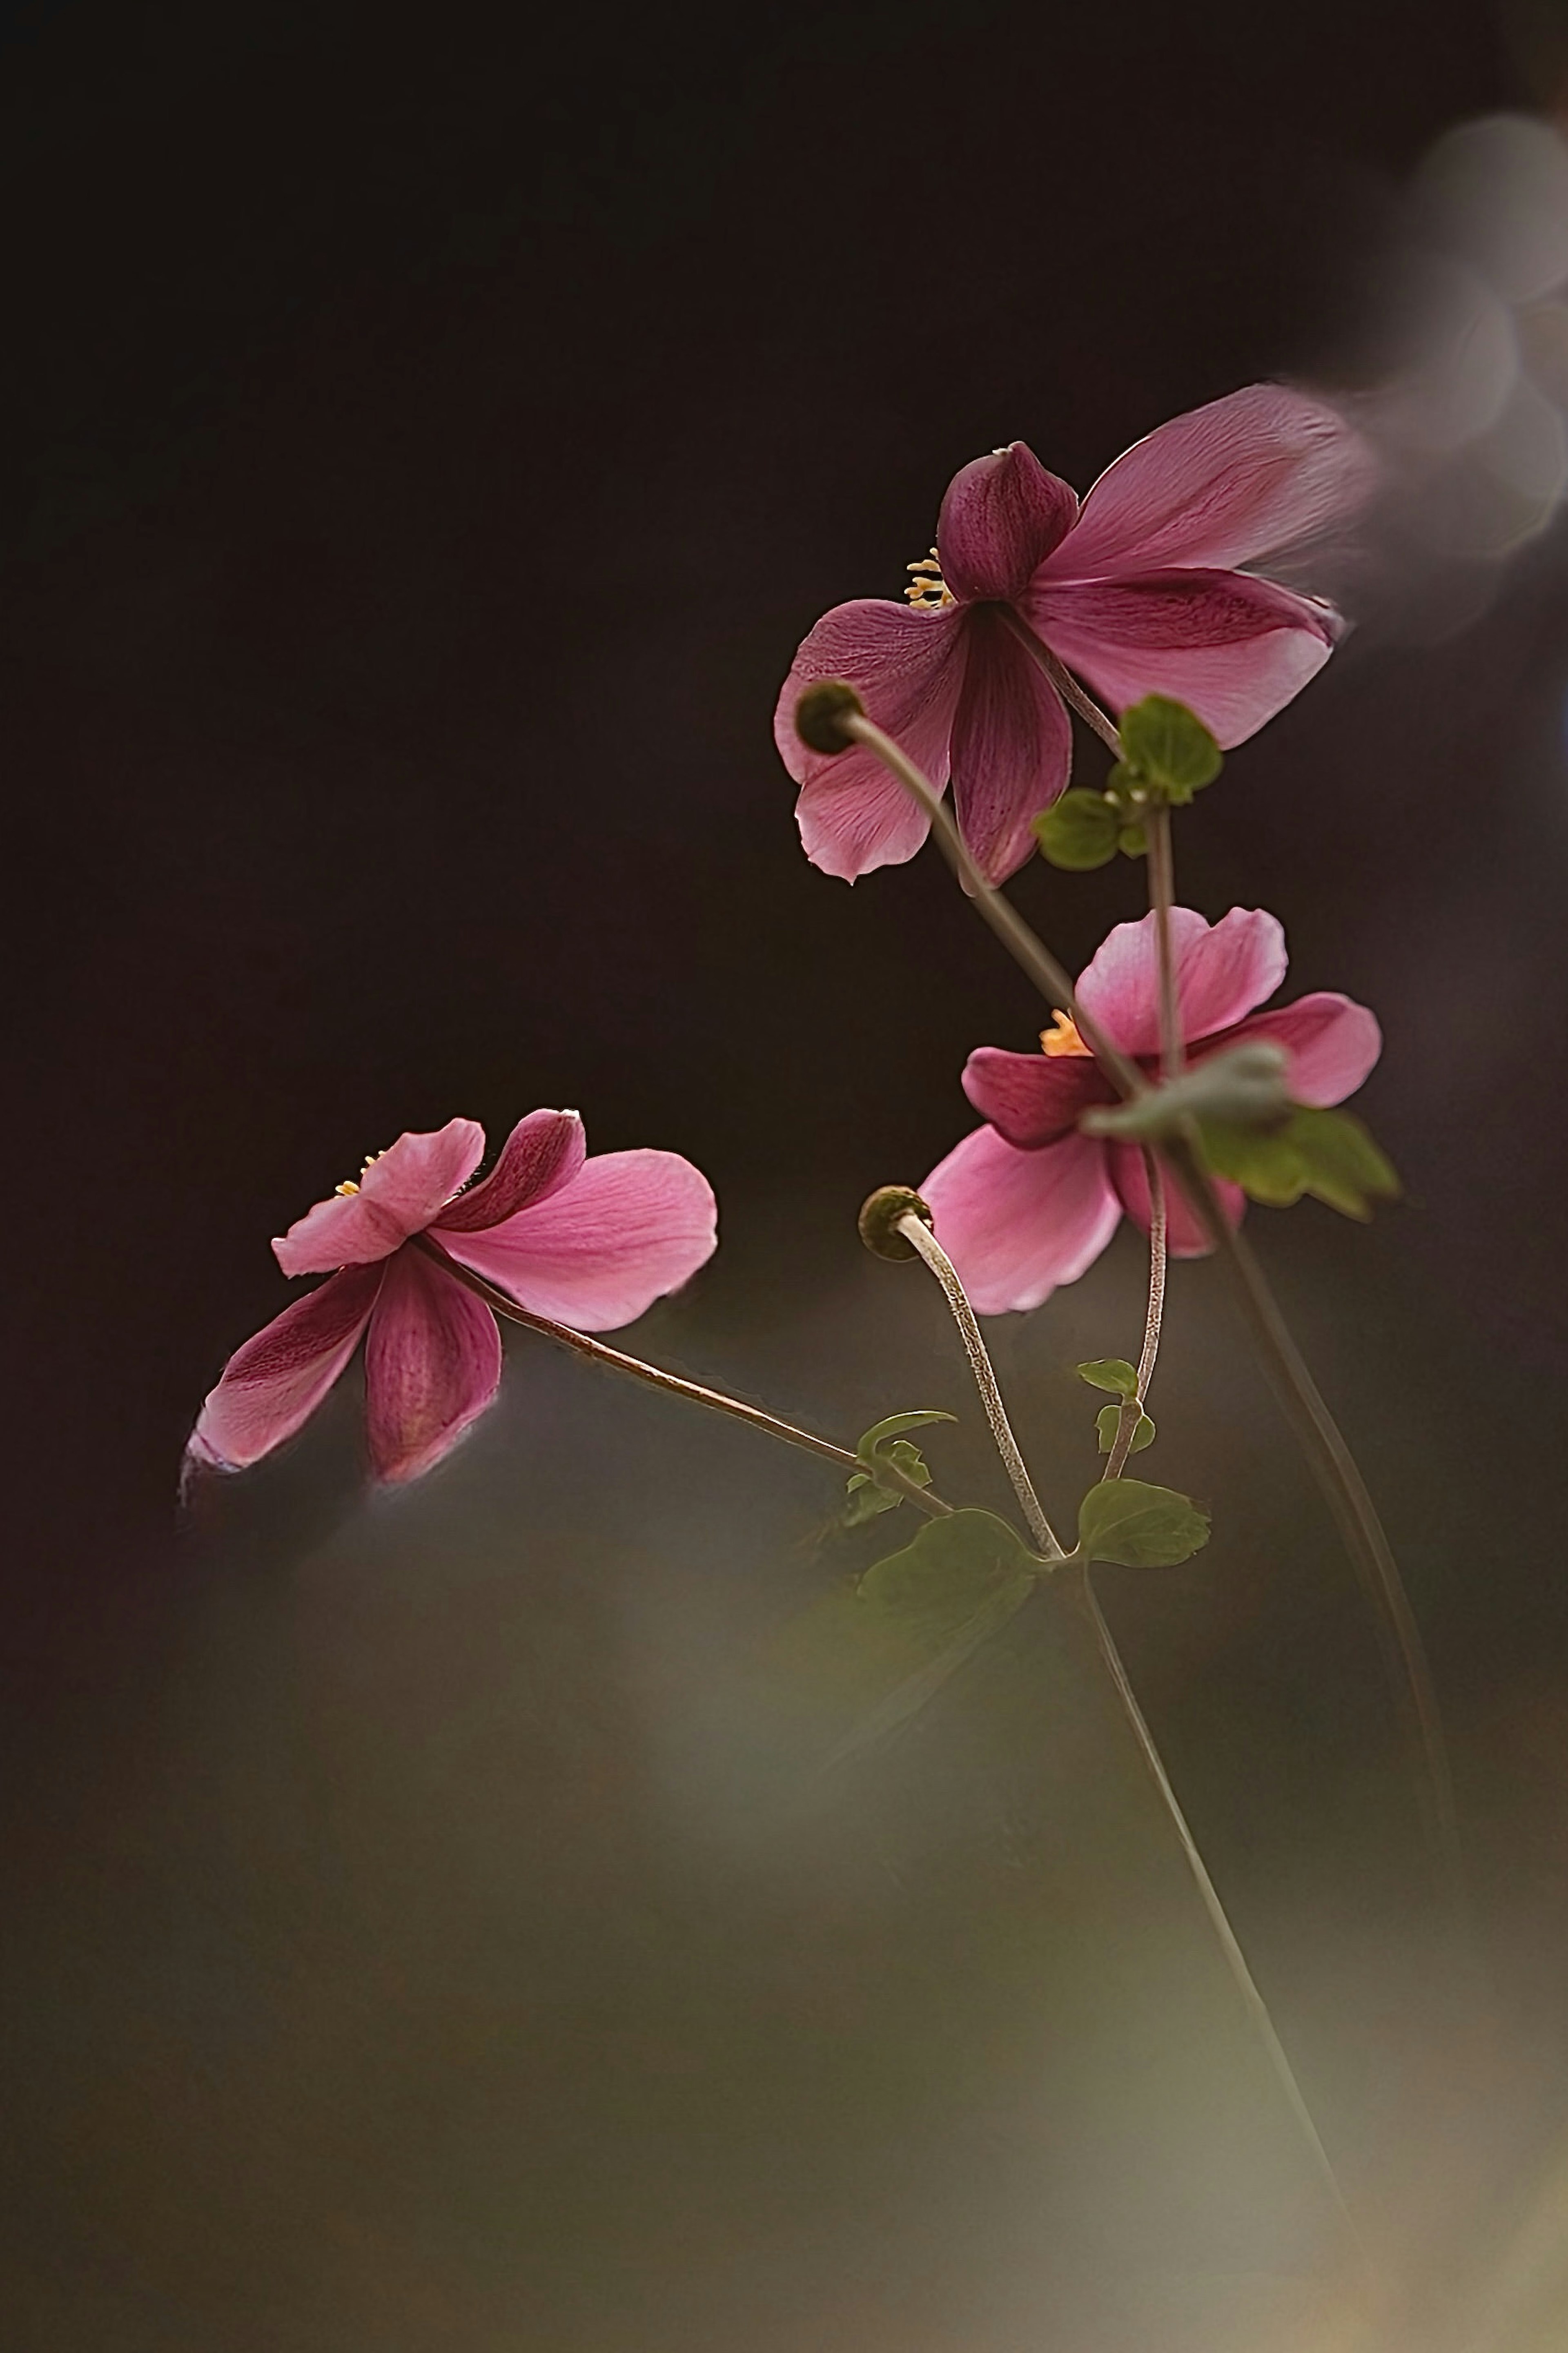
1016	1224
1000	519
628	1227
1223	970
398	1194
1033	1098
1234	650
1332	1043
907	668
1185	1237
1012	747
432	1363
1227	484
543	1153
275	1382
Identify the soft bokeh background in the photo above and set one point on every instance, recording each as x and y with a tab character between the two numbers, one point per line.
425	438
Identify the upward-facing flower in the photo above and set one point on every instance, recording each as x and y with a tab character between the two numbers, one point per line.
1138	590
590	1244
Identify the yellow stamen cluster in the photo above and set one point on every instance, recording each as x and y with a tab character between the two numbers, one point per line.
932	591
345	1188
1062	1037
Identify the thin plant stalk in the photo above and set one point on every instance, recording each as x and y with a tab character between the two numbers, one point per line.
1161	897
1132	1407
1062	678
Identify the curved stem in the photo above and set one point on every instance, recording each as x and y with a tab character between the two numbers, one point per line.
916	1231
1062	678
1132	1407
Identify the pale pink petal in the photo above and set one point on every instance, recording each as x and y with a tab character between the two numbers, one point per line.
1012	747
1185	1237
276	1381
398	1194
1016	1224
1000	519
543	1153
432	1363
1332	1043
1223	970
1233	649
1259	471
1033	1098
907	668
628	1227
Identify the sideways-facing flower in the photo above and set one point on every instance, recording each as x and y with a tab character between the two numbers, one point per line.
1027	1201
1138	590
591	1243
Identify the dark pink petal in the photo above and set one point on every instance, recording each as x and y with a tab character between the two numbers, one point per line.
907	668
1223	485
1233	649
1332	1043
543	1153
1033	1098
1016	1224
432	1363
276	1381
628	1227
1185	1237
398	1194
1012	747
1223	970
1000	519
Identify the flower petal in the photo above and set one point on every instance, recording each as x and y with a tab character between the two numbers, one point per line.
630	1227
1223	970
1235	649
432	1363
543	1153
1332	1043
1012	747
1016	1224
1033	1098
398	1194
1000	519
1225	484
276	1381
907	668
1185	1237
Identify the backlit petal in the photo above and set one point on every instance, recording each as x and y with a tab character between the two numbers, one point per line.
1185	1237
398	1194
1223	970
1033	1098
276	1381
543	1153
432	1363
1012	747
1332	1043
1016	1224
1000	519
630	1227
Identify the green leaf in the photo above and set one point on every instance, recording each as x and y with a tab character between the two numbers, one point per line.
1078	832
867	1499
1327	1154
1112	1373
871	1441
1139	1527
952	1564
1133	841
1105	1421
868	1495
1242	1088
1170	746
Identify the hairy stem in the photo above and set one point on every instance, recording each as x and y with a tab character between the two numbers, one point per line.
1062	678
1132	1407
1161	897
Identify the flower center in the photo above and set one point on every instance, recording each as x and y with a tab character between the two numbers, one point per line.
928	593
1062	1037
346	1187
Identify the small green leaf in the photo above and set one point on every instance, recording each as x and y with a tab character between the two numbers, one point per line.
1105	1421
1327	1154
868	1492
1078	832
1170	746
1112	1373
867	1501
1133	841
871	1441
1139	1526
1244	1087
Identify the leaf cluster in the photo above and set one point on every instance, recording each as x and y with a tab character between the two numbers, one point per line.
1167	755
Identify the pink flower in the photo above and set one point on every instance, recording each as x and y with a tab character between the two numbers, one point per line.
1027	1201
1138	590
587	1243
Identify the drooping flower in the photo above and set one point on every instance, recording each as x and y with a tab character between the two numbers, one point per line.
1138	590
589	1242
1027	1201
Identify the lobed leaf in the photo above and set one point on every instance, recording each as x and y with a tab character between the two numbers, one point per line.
1139	1526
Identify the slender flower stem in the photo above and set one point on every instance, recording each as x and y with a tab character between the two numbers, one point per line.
917	1232
1062	678
582	1344
1161	897
1132	1407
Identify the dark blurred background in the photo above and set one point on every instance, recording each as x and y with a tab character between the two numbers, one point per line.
424	438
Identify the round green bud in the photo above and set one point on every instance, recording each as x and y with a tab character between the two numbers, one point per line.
880	1215
820	713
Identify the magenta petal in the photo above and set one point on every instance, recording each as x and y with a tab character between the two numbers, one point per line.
1233	649
1185	1237
398	1194
276	1381
907	668
1001	518
543	1153
1033	1098
1332	1043
1223	970
1016	1224
1227	484
628	1227
1012	747
432	1363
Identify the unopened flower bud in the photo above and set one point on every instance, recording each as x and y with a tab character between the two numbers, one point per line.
880	1215
820	713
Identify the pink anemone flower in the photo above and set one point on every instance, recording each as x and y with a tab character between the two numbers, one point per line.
586	1242
1027	1201
1138	590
